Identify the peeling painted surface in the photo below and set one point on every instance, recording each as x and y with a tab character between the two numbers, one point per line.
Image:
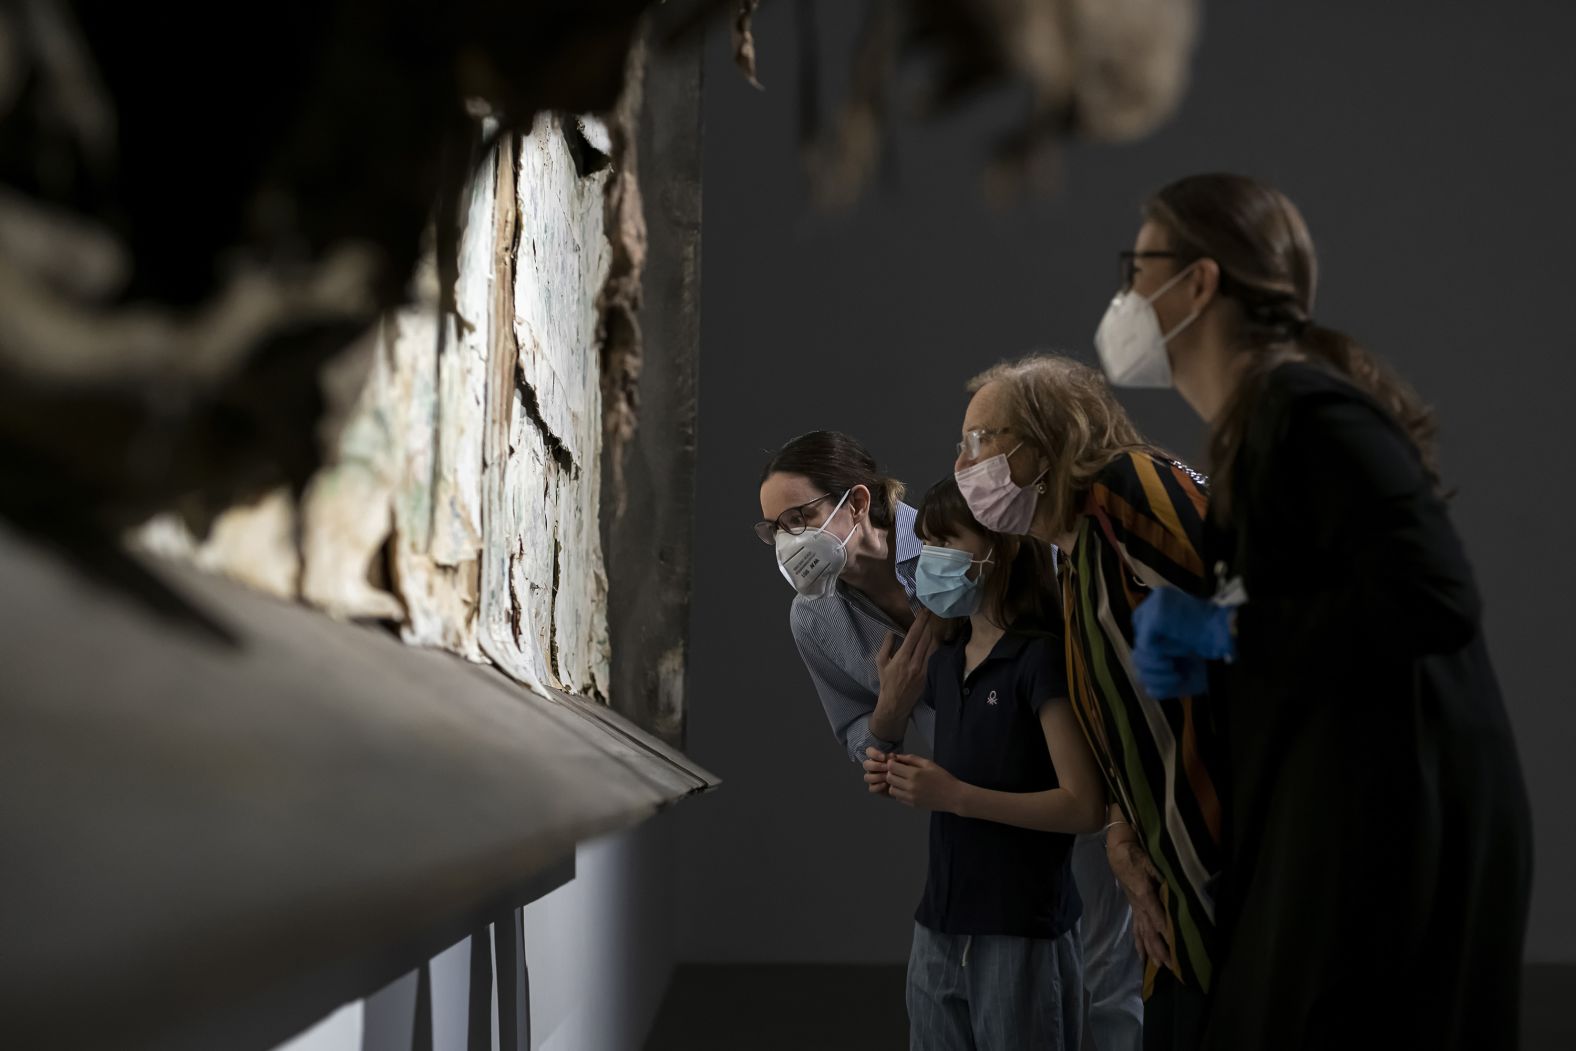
619	301
462	498
438	597
347	512
648	549
347	509
562	259
439	397
257	544
462	387
253	543
546	618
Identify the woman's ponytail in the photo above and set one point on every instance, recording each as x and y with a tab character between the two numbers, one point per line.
1371	375
1267	265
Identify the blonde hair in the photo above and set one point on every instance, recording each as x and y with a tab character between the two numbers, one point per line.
1065	411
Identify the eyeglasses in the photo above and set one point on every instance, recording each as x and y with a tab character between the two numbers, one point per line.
1129	261
972	440
790	521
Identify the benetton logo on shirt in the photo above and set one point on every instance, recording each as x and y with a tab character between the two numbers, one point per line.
992	698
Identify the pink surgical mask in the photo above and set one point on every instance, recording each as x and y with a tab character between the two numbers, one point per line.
999	503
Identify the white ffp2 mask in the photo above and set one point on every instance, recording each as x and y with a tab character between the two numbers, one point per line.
812	561
1131	346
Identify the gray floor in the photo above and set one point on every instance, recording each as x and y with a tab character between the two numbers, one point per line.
783	1007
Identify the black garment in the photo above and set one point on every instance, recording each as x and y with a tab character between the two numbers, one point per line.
1173	1014
1378	833
985	877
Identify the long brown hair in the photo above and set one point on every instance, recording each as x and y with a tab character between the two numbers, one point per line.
1021	586
1065	411
836	463
1268	266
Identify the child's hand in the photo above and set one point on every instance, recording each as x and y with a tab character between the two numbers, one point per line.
876	763
918	782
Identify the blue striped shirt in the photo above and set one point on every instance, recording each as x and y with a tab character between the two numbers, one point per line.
839	636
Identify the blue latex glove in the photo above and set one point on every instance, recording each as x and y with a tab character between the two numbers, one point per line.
1174	634
1166	677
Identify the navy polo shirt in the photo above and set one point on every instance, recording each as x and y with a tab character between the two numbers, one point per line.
984	877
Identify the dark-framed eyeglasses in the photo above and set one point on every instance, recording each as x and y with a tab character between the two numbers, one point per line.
1129	264
790	521
974	440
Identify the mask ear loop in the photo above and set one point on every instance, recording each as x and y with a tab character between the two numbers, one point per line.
1166	337
988	560
852	529
843	543
1036	482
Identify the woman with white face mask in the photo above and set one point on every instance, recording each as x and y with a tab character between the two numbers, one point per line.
844	540
1048	451
1378	858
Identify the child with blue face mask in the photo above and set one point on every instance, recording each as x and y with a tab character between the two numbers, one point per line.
996	960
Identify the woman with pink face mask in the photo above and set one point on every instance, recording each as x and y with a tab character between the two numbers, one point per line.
1048	451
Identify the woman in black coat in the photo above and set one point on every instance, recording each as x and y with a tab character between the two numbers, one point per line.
1377	834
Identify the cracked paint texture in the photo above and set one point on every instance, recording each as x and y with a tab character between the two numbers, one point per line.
462	499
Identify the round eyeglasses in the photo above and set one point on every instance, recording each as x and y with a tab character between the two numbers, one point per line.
790	521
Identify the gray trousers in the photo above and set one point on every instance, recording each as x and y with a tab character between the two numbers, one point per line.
993	992
1113	977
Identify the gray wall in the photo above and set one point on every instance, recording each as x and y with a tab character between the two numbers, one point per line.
1430	147
598	949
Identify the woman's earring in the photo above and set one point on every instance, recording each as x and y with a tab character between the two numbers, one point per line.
1040	488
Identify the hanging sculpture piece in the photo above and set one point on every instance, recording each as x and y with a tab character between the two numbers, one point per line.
180	265
1097	70
360	316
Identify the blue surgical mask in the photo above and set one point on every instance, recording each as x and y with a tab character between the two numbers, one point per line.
941	581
